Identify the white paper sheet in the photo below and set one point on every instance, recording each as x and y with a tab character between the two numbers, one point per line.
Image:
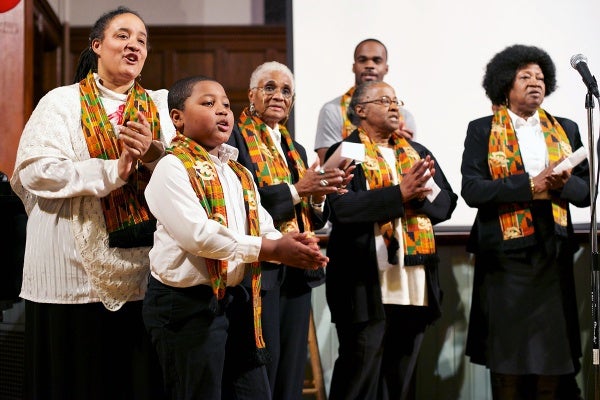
344	154
571	161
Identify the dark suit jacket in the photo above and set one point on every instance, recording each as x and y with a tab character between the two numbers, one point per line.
481	192
353	288
277	200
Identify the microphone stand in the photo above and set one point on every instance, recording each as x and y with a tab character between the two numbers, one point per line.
595	267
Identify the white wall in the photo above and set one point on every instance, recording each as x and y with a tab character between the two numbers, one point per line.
438	51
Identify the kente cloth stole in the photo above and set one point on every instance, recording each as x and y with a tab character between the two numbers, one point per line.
417	229
125	206
205	182
347	126
271	168
504	159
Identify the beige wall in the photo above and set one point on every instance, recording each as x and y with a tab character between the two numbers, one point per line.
160	12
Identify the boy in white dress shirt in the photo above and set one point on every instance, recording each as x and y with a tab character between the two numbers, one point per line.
211	230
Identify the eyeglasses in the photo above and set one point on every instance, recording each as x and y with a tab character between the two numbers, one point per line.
384	101
270	90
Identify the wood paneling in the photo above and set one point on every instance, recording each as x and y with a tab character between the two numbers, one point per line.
47	41
227	53
12	83
30	38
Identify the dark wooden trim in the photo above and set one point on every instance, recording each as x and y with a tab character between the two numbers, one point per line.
30	36
14	85
47	21
206	37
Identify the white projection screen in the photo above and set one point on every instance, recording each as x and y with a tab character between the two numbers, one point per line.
437	53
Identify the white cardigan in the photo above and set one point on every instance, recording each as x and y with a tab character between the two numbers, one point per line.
67	258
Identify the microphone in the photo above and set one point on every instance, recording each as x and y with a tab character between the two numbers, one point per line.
579	62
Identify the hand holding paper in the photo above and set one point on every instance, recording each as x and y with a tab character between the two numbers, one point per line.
430	184
571	161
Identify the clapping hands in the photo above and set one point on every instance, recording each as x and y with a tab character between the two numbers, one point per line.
296	249
136	141
413	182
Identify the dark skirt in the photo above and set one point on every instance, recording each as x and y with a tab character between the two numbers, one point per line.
524	316
84	351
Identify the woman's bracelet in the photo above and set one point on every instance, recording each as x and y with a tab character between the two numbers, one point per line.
532	186
316	205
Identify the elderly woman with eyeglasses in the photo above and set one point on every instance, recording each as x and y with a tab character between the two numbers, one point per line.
382	280
294	195
523	323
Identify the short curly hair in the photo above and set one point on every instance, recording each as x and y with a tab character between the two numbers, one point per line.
501	70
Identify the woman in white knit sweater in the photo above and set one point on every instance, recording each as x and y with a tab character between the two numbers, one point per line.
82	161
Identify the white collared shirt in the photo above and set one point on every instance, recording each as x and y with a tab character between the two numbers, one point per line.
532	143
276	137
185	236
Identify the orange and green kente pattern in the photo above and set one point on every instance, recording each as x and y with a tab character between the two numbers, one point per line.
271	168
504	159
205	182
125	206
417	229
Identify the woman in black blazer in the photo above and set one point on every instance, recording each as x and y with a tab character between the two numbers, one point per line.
523	323
382	282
